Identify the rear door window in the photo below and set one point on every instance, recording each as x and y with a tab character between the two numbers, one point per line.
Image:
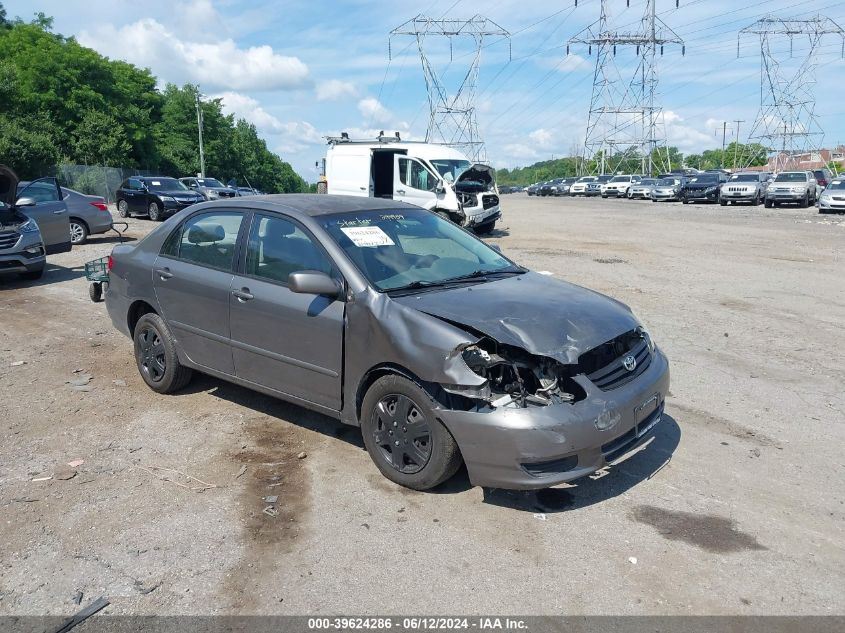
208	239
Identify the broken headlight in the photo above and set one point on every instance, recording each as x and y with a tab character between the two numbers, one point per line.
645	333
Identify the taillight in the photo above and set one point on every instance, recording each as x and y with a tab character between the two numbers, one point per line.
110	263
102	206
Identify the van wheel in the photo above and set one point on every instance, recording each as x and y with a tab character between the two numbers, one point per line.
403	436
155	355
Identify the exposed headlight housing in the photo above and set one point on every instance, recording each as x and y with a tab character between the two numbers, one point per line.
28	227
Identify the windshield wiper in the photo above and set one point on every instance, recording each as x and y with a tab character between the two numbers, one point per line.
476	275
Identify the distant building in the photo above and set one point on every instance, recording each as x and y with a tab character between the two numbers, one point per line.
807	160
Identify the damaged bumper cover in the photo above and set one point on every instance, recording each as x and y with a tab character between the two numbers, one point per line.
541	446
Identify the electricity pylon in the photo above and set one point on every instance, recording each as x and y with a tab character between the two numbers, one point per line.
624	117
452	119
786	123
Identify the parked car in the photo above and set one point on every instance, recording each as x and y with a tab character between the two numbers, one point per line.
832	199
792	187
619	185
210	188
531	190
249	191
666	188
331	305
562	189
702	187
594	188
642	189
823	177
155	196
579	187
89	215
550	188
33	224
744	187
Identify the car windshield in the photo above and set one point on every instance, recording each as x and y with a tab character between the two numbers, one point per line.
620	179
745	178
837	184
794	176
647	182
703	178
454	167
210	182
165	184
587	179
666	182
413	249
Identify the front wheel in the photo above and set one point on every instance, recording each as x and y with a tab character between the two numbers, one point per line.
806	201
155	355
155	212
484	229
123	209
403	436
724	203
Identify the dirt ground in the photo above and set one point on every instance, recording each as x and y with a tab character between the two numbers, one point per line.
734	507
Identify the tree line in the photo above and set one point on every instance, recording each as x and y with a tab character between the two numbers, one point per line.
62	103
735	156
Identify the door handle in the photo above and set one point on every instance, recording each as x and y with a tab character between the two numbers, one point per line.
164	273
243	294
59	211
400	191
362	188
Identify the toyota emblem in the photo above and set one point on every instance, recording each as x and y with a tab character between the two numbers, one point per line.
629	363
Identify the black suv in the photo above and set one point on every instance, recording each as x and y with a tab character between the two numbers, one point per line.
702	187
158	197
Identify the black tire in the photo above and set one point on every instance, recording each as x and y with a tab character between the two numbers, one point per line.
767	203
723	203
805	202
154	211
32	275
756	201
95	291
155	355
427	441
485	228
78	232
684	200
123	208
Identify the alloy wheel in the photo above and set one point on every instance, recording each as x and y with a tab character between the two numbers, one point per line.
77	233
402	433
151	354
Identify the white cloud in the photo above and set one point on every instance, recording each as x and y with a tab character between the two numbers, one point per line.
374	112
335	89
212	64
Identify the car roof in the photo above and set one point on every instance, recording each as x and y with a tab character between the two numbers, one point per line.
313	204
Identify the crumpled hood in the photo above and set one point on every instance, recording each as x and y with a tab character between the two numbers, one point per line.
544	316
8	186
478	177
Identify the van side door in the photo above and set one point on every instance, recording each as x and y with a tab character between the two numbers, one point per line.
49	212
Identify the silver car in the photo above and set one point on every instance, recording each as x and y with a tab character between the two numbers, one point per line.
642	189
89	215
744	187
210	188
666	189
832	199
389	317
32	225
792	187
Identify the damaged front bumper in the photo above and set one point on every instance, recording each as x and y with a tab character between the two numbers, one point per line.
542	446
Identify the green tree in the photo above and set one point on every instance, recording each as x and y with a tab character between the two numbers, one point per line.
100	139
27	146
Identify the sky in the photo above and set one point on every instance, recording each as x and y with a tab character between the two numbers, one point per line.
303	70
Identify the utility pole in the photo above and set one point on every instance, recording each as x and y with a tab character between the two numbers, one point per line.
199	128
452	118
736	141
722	155
787	118
624	113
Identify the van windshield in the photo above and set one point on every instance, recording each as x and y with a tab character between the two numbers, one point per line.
453	167
413	249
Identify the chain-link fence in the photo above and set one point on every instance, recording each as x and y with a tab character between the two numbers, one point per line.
94	179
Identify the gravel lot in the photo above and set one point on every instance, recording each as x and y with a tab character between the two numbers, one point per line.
734	507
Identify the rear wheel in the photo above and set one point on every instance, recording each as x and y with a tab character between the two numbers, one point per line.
123	209
78	232
155	355
403	436
155	212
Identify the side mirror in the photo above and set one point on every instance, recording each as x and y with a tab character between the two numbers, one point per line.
312	282
25	202
440	188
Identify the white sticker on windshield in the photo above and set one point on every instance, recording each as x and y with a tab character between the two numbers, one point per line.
156	183
367	236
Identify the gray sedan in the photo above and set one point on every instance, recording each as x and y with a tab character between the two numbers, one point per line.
390	318
89	215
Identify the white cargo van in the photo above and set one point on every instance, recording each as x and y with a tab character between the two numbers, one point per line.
435	177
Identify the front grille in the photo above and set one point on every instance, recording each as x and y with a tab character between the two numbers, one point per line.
738	189
8	239
490	201
604	365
